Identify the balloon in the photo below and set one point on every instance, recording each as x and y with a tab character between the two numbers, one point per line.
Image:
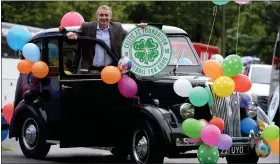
220	2
185	61
193	141
225	142
248	124
17	37
8	111
262	125
24	66
245	100
271	132
217	121
125	65
252	110
274	145
40	69
262	148
198	96
212	69
232	65
127	87
72	19
53	51
192	128
182	87
110	75
210	134
242	83
223	86
203	122
187	110
218	58
31	52
211	98
242	2
4	133
208	154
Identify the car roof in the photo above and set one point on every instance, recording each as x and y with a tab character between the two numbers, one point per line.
54	31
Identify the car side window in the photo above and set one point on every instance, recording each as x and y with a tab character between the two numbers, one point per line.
81	57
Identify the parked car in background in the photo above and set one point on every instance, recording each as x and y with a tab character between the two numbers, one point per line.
260	75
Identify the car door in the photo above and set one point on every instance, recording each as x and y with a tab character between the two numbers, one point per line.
89	107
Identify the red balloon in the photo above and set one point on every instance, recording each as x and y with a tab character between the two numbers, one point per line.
217	121
242	83
8	111
72	19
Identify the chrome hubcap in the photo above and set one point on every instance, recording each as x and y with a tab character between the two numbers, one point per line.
140	146
29	133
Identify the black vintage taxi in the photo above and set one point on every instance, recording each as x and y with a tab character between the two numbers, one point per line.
75	108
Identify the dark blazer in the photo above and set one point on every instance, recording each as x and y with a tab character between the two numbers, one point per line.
117	34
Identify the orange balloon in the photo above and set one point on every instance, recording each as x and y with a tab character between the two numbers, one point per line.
8	111
242	83
212	69
40	69
217	121
274	145
24	66
110	75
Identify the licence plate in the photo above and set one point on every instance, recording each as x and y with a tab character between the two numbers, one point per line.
236	150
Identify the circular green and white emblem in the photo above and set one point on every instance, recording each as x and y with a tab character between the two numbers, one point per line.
149	49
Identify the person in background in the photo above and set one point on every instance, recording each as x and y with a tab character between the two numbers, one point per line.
112	33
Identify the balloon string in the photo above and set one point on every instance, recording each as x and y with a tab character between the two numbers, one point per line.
214	15
237	29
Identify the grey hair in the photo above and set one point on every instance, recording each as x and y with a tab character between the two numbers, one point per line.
104	7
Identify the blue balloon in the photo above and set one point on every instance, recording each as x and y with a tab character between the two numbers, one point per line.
185	61
17	37
31	52
220	2
4	133
53	51
248	124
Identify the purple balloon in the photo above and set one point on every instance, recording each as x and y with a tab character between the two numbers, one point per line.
127	87
225	142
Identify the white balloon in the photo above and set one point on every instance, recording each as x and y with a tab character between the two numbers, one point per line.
182	87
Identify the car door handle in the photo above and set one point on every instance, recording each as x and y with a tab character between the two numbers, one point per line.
65	86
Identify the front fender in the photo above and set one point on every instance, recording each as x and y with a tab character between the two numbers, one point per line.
157	117
21	108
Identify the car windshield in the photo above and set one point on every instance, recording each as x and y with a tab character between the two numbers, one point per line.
180	44
261	75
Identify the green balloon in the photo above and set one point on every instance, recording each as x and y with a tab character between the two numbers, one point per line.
271	132
220	2
192	128
198	96
208	154
232	65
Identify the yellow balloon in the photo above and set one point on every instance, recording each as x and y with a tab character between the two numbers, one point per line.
223	86
261	125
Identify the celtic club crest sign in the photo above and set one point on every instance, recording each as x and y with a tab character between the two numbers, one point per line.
149	49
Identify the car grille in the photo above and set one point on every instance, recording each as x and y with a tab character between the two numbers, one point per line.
262	102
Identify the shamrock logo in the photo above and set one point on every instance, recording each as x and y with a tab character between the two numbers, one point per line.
146	50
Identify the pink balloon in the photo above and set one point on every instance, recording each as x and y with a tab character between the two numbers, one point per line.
210	135
72	19
193	141
127	87
225	142
242	2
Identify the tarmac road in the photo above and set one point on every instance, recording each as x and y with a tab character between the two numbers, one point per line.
86	155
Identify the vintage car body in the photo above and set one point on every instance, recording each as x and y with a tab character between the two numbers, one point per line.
80	110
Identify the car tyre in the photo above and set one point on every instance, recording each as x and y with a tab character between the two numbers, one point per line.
251	158
32	137
146	144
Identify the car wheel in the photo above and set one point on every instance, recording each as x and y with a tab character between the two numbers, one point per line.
146	147
251	158
32	139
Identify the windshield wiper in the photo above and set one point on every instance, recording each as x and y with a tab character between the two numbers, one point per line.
177	64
